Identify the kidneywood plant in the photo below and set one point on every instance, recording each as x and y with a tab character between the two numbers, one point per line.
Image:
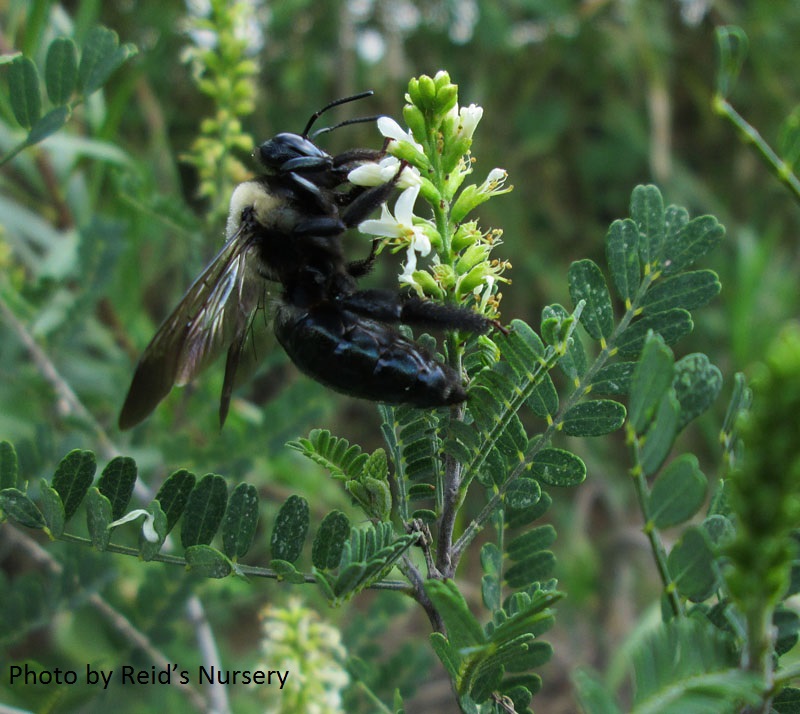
503	449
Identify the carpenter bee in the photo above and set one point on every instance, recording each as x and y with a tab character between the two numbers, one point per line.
285	228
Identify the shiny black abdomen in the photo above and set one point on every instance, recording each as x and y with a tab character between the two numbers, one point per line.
364	358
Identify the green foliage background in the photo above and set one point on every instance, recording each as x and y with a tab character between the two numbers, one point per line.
583	100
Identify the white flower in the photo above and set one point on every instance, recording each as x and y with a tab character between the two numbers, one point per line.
468	119
148	529
484	291
375	174
392	130
401	226
493	185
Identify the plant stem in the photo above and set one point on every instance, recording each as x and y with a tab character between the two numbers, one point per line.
659	552
750	135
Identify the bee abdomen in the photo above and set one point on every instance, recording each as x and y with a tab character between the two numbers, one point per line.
364	358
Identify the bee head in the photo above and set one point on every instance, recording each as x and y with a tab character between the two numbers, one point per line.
276	152
291	152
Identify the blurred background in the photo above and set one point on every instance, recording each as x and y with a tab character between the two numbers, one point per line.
104	226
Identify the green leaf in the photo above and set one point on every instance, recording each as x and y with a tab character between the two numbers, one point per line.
732	46
622	255
463	630
647	212
535	568
53	510
9	468
148	549
538	654
557	467
720	530
557	325
687	665
535	539
787	624
490	592
21	509
421	491
204	511
593	418
326	552
787	702
523	493
686	290
72	479
24	91
373	495
98	518
614	378
207	561
48	124
543	400
592	695
287	572
290	529
741	399
350	577
661	435
652	378
174	494
61	70
336	455
691	565
491	558
695	239
671	325
446	653
426	515
116	484
586	282
789	138
675	220
678	493
520	517
241	519
697	385
376	466
101	56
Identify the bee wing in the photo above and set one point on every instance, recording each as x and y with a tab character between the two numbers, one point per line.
212	315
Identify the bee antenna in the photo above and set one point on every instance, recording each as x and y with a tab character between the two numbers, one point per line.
359	120
316	115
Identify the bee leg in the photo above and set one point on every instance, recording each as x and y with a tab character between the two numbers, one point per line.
307	189
359	268
320	227
390	307
365	203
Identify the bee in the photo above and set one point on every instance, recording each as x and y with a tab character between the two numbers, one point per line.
285	228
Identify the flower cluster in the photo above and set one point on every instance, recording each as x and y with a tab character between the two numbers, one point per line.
222	37
295	639
435	158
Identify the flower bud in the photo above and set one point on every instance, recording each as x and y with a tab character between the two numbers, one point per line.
429	192
414	94
446	99
416	122
427	93
427	284
441	78
473	279
471	257
467	234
